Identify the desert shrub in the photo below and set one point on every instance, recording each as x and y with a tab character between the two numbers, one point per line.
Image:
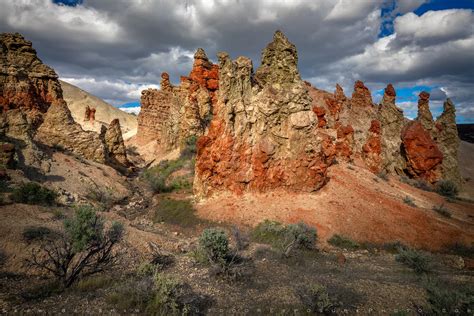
442	210
93	283
343	242
83	249
383	175
33	193
34	233
58	214
157	263
447	188
316	299
215	244
167	292
409	201
448	299
461	249
285	238
422	185
394	246
189	149
4	186
41	291
176	212
416	260
241	239
134	293
157	176
103	198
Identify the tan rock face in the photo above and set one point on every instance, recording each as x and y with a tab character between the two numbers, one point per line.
60	130
392	121
25	82
448	142
263	135
424	114
116	151
172	114
34	110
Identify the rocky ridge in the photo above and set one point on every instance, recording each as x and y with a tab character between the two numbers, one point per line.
271	130
35	113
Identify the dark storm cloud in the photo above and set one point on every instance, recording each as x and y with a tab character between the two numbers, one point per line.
113	47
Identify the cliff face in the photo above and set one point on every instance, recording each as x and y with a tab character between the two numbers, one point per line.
174	113
25	82
264	133
34	110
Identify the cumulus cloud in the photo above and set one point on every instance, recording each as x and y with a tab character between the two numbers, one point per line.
115	48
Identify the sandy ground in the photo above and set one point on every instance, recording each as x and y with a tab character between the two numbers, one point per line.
357	204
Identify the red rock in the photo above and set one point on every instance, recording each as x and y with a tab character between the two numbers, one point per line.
422	153
372	149
361	97
345	141
92	115
341	259
87	113
320	113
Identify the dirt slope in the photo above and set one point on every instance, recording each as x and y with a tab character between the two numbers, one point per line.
77	100
357	204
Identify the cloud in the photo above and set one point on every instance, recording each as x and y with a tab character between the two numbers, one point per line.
115	48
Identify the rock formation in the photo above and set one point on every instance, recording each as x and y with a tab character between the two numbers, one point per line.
174	113
25	82
448	142
87	114
34	110
424	114
117	153
372	149
422	153
59	130
263	134
392	120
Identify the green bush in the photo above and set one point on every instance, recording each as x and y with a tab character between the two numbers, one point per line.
418	261
343	242
215	244
167	292
34	233
409	201
83	249
285	238
189	149
157	176
33	193
176	212
316	299
448	299
447	188
442	210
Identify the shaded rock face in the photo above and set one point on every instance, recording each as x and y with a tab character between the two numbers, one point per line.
116	151
172	114
35	112
263	135
448	141
392	120
59	130
424	114
423	155
25	82
372	149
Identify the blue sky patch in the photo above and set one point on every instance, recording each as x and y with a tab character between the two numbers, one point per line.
70	3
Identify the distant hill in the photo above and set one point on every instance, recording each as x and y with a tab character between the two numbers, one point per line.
77	100
466	132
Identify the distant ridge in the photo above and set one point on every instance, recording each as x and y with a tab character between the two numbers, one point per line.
77	100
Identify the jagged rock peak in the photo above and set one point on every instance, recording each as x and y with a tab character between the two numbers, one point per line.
279	62
389	94
361	95
339	93
117	153
200	54
424	114
165	82
448	106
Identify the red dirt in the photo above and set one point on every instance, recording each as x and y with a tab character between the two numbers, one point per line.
355	205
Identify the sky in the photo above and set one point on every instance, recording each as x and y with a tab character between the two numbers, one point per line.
116	48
